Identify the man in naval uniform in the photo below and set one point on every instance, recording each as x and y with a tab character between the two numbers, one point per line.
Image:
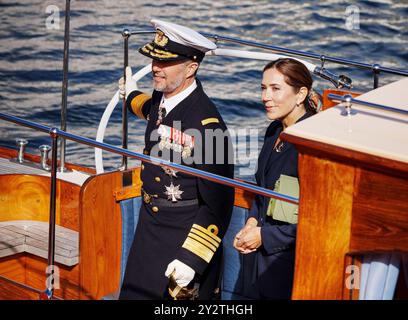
183	218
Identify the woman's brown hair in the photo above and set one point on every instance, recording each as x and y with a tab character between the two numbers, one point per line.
297	76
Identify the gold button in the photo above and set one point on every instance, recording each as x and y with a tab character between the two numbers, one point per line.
157	179
155	209
142	166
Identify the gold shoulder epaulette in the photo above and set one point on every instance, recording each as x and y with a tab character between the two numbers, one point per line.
209	120
203	242
137	104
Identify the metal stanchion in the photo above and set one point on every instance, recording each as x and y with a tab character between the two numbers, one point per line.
65	84
376	74
125	35
49	291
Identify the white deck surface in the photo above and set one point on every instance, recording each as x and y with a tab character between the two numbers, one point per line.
32	237
372	131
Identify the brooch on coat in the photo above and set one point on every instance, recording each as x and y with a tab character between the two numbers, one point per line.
177	140
173	192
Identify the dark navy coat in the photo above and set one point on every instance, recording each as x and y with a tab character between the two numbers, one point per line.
190	233
275	258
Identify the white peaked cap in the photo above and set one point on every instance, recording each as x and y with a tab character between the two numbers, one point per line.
184	36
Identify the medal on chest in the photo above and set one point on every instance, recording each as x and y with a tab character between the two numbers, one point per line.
173	192
176	140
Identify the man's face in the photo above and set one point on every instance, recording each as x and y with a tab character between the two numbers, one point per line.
169	76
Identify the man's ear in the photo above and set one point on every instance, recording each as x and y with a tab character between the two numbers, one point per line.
192	68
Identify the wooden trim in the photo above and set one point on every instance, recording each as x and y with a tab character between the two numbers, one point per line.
132	191
100	236
347	156
327	103
243	198
126	193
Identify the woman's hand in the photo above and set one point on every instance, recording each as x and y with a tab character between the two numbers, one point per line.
251	240
248	239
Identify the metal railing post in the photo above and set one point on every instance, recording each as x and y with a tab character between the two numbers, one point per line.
376	75
125	35
51	232
65	84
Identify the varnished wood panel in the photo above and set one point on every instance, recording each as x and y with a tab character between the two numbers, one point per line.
10	290
243	198
100	240
24	197
327	103
380	213
36	277
30	270
326	193
13	267
27	197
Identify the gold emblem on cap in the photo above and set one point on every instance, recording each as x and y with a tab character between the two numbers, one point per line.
160	38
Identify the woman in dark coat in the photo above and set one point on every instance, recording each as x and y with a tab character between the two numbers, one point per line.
288	98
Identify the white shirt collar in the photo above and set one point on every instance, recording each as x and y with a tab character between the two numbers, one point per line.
171	103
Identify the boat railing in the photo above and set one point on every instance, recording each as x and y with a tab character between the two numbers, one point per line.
349	100
374	68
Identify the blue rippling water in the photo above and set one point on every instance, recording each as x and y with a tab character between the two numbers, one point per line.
31	59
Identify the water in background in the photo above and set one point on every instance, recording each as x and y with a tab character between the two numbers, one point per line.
31	57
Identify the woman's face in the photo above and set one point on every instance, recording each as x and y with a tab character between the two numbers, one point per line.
278	97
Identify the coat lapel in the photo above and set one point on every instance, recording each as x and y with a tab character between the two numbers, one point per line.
266	153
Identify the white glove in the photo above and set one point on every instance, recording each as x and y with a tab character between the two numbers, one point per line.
183	273
126	89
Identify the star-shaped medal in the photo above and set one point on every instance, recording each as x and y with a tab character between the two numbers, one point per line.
169	171
173	192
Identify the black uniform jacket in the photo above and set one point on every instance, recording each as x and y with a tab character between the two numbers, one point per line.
194	233
275	258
